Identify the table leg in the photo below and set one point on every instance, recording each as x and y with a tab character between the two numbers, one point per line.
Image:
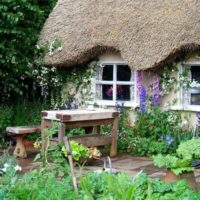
61	132
113	150
20	150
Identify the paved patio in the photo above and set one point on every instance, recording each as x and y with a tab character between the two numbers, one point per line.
123	163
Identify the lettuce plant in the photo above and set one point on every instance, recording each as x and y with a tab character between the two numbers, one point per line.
79	151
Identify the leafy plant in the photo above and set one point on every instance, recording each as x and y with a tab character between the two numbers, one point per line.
79	151
146	146
189	149
175	164
182	162
108	186
42	185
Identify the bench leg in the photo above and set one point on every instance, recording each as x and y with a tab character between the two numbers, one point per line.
20	150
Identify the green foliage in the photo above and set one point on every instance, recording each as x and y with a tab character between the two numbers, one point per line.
27	113
20	113
41	185
75	132
21	22
146	146
168	82
77	87
154	131
92	186
57	157
177	165
6	118
189	149
108	186
79	151
167	161
155	123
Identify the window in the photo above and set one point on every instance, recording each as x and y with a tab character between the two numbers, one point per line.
191	96
114	82
195	85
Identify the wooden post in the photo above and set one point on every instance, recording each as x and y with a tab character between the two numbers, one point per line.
113	149
69	155
61	132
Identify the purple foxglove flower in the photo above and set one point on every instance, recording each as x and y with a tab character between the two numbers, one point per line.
143	96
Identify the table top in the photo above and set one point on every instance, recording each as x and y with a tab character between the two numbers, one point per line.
79	114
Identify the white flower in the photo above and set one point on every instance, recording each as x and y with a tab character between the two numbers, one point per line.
37	46
17	168
3	169
53	69
59	48
6	165
194	84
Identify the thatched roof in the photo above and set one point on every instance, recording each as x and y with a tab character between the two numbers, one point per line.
147	33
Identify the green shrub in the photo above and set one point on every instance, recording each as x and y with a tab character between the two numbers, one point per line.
27	113
146	146
156	123
6	119
21	23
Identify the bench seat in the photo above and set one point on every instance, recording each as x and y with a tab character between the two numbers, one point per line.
20	132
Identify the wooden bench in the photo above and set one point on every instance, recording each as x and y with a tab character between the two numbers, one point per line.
20	132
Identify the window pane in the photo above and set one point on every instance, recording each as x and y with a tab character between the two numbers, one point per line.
107	73
195	91
195	99
123	92
123	73
107	92
195	72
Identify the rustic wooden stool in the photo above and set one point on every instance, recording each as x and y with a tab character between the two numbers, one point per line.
20	132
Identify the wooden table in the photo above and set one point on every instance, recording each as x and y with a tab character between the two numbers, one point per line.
85	118
82	118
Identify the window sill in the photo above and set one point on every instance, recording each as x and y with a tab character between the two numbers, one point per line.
112	103
193	108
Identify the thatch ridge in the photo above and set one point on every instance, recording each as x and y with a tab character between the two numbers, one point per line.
147	33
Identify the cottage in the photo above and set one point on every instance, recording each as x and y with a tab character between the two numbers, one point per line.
142	46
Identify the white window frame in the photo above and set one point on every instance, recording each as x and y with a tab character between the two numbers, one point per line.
131	103
181	104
